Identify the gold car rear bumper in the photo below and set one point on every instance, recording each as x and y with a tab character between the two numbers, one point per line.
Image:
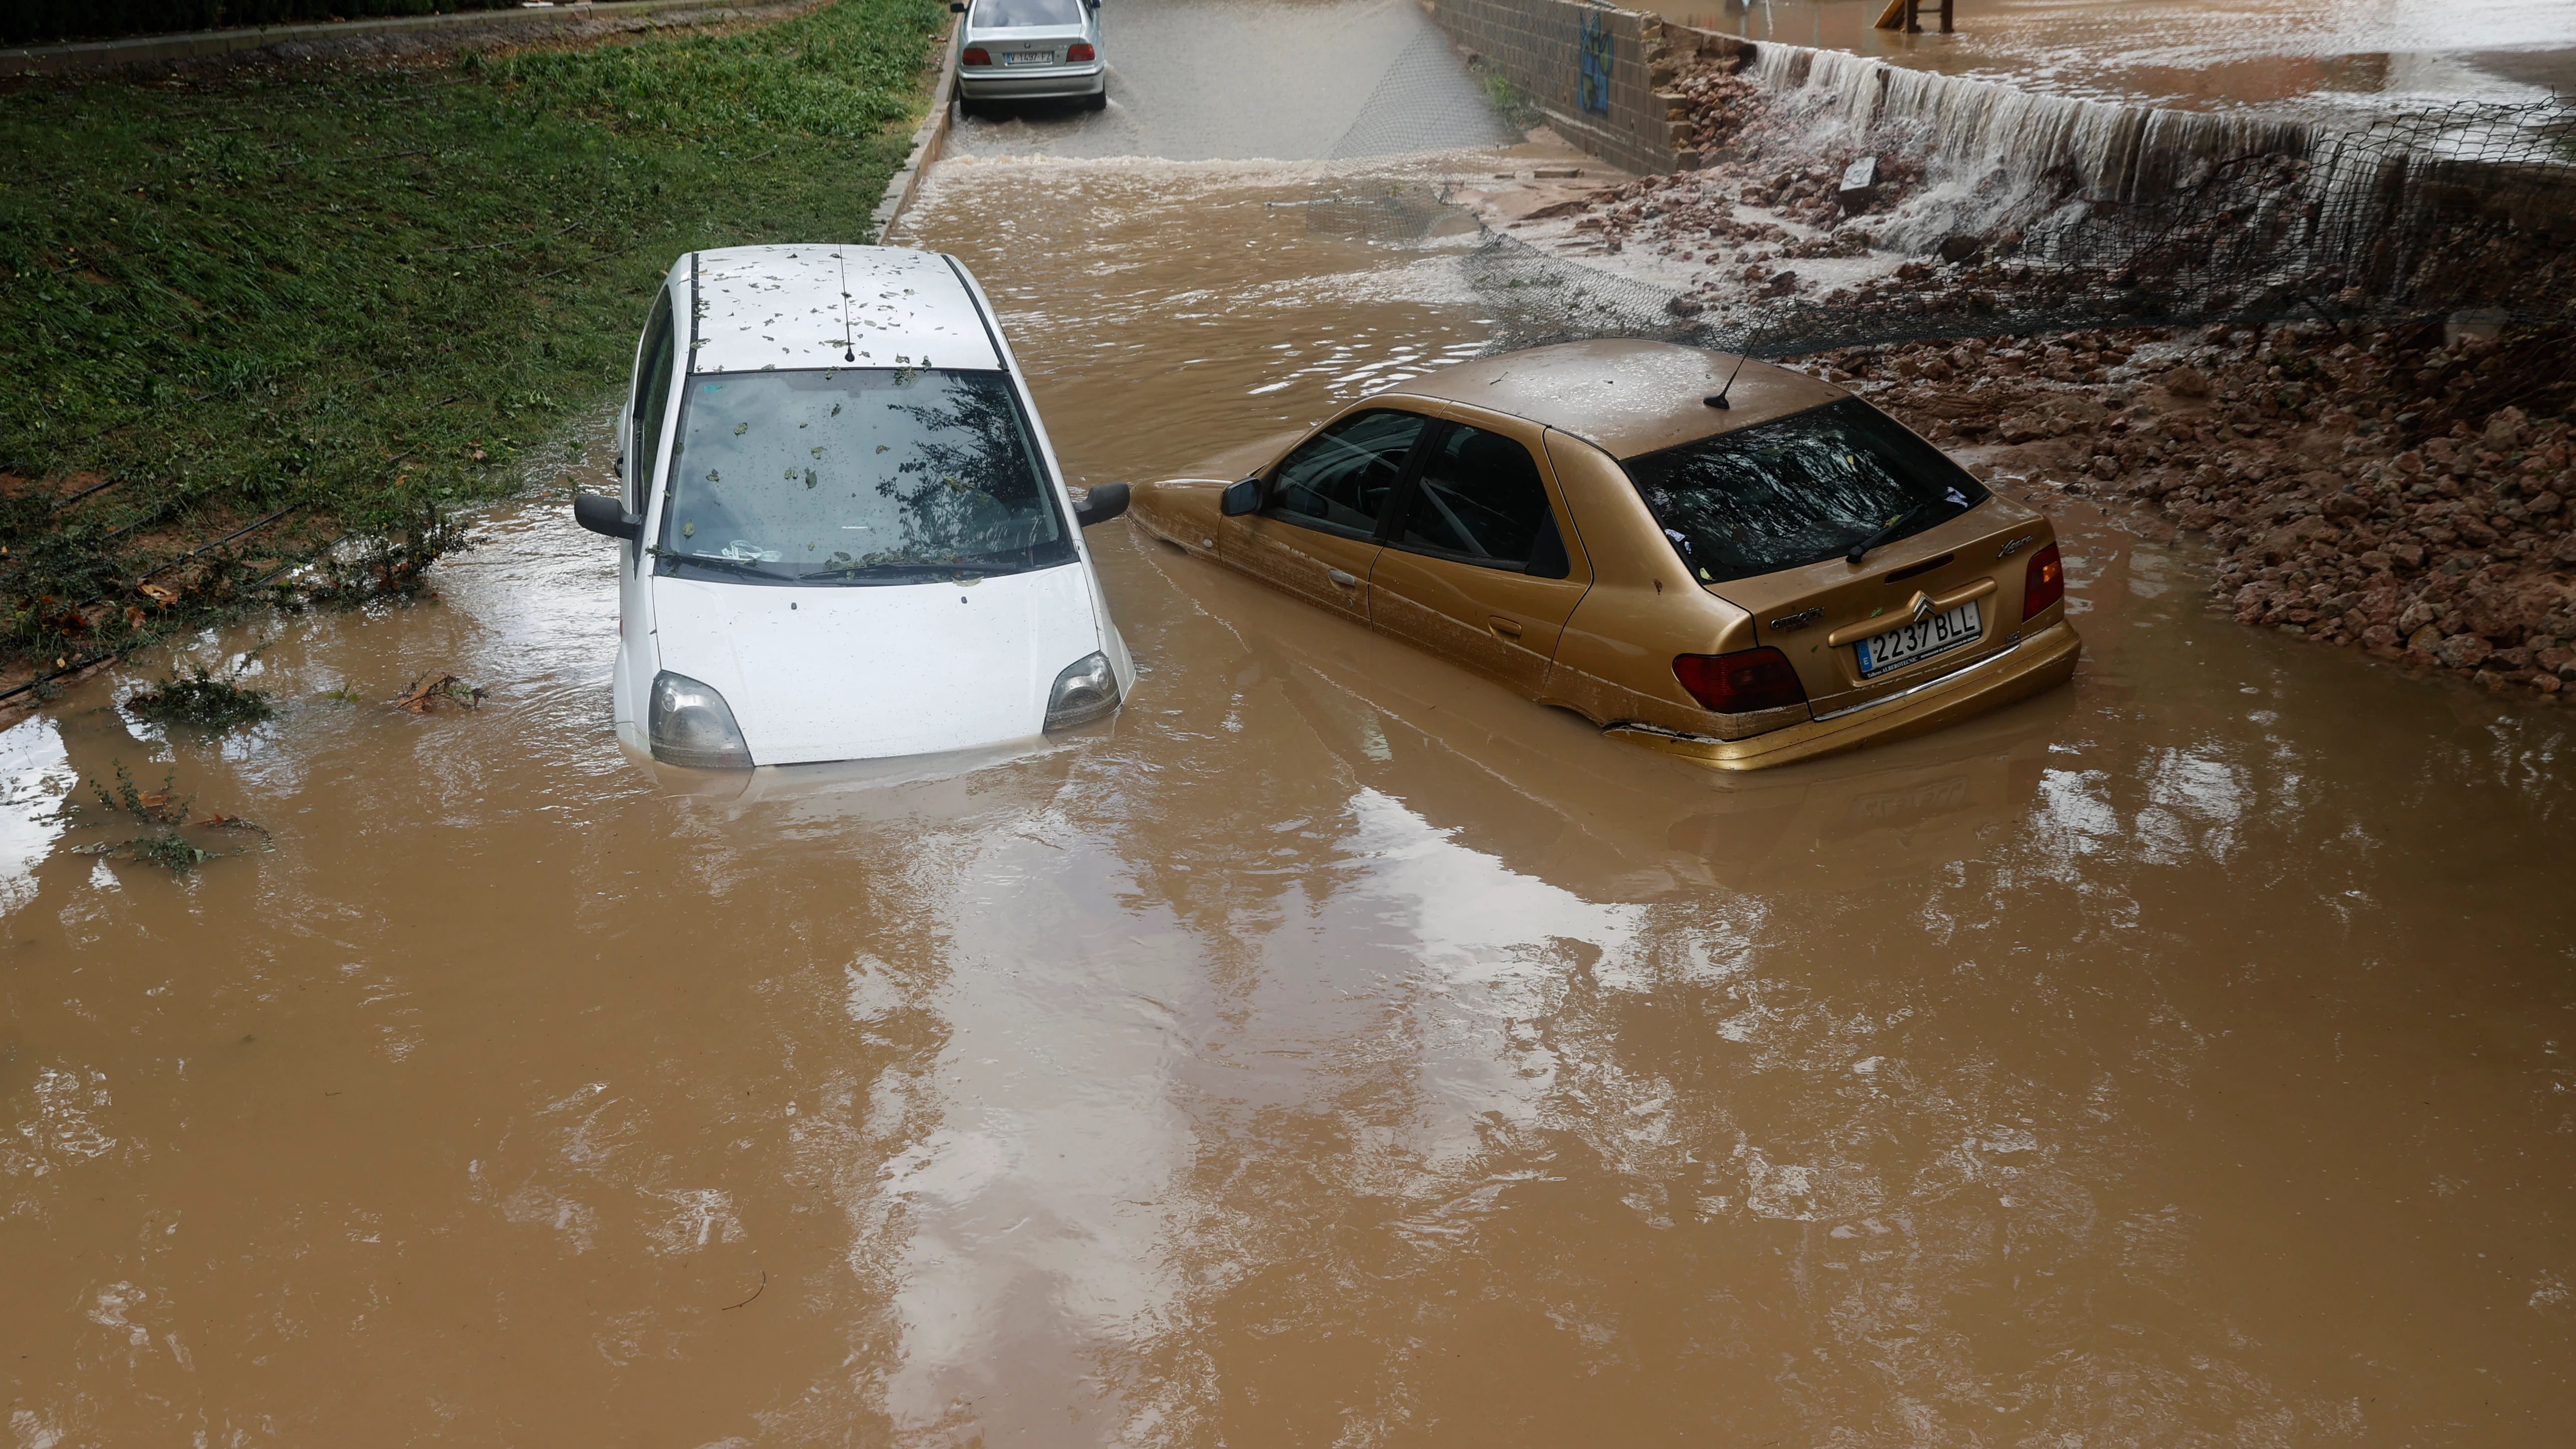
2035	665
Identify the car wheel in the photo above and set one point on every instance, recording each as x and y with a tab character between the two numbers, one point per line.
1097	101
966	110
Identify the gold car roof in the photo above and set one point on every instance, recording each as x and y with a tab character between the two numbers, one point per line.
1630	397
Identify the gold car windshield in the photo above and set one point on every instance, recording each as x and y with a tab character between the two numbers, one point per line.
856	475
1799	490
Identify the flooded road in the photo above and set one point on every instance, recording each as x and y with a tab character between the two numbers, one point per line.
1335	1050
1196	80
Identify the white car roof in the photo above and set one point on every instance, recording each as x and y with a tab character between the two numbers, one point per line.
781	307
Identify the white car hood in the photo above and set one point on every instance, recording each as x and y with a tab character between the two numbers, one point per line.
869	672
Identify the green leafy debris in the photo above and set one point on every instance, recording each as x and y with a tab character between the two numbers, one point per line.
161	813
191	694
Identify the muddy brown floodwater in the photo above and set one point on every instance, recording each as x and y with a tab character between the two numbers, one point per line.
1335	1051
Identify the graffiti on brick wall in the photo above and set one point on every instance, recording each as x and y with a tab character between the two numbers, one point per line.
1592	59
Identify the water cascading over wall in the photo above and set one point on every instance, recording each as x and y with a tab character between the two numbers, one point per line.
2006	156
2073	213
2151	213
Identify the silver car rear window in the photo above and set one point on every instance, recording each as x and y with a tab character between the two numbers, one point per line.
1012	14
1799	490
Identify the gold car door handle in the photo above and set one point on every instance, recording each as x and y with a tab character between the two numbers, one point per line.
1348	581
1508	628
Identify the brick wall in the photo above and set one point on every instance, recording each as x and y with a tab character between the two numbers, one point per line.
1537	45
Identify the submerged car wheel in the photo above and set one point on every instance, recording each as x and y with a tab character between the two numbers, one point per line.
1097	101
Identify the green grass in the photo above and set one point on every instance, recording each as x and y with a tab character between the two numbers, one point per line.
368	296
1508	100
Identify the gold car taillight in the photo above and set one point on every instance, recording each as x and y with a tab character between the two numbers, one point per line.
1742	682
2045	582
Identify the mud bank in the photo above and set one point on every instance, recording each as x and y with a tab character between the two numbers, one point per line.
2374	488
2384	487
2380	492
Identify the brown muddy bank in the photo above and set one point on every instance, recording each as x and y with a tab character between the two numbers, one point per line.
2381	491
2400	487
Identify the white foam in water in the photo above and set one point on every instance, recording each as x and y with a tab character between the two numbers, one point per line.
1998	156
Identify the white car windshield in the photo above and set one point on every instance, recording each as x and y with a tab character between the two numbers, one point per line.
856	475
1014	14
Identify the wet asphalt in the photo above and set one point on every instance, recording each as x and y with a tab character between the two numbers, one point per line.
1243	80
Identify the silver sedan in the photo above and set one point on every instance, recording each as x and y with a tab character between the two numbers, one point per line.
1027	50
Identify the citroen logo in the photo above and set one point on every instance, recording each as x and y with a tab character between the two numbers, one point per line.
1922	607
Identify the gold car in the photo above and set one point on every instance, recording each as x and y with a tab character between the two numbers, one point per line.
1728	561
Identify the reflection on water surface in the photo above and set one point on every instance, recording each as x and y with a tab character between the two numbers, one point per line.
1335	1049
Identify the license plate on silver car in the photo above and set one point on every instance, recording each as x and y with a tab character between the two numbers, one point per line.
1908	642
1028	57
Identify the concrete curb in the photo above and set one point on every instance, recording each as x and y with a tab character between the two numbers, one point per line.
147	50
926	143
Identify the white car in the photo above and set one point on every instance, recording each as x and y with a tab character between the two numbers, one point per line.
1029	50
845	536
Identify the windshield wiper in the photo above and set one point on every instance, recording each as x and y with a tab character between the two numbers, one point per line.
908	567
1861	549
729	565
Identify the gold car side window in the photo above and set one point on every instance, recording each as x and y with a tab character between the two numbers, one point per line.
1340	480
1478	498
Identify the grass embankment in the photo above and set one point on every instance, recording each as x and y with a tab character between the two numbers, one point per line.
360	297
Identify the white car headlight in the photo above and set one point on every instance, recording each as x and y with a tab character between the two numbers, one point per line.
1086	690
692	726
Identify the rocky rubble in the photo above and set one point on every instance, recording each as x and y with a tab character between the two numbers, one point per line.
2378	491
1755	203
2383	490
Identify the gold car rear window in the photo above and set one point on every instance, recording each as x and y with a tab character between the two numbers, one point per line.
1799	490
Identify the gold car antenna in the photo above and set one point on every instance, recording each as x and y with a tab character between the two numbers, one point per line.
1717	399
